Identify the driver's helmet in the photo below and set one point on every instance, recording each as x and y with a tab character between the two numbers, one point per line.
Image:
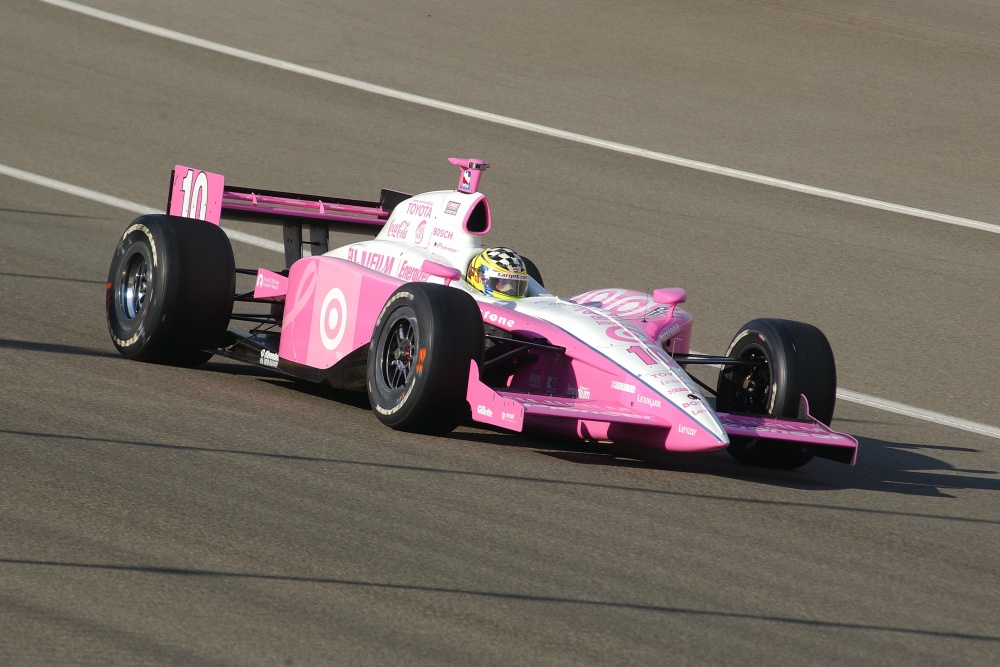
499	273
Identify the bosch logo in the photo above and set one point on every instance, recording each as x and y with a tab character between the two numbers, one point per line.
443	233
333	319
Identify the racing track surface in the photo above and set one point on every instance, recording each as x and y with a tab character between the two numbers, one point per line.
153	515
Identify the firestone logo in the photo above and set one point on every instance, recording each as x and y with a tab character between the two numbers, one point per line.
497	319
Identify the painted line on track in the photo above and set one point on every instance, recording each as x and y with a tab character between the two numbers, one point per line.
124	204
526	126
141	209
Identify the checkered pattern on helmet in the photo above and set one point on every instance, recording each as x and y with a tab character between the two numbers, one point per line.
506	259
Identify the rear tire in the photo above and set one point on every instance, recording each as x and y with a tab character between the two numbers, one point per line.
797	360
170	290
419	356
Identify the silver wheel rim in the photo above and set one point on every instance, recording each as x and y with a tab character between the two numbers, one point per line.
134	287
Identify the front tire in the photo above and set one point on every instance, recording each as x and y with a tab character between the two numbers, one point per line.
170	290
793	358
419	356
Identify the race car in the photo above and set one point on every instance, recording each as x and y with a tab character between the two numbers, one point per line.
439	327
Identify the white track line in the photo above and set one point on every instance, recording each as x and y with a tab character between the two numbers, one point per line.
140	209
123	204
520	124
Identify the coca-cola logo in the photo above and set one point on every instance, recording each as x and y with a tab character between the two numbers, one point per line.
397	230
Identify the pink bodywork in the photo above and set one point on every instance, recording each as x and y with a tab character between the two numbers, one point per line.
330	310
331	306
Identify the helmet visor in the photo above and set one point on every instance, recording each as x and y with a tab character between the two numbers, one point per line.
507	284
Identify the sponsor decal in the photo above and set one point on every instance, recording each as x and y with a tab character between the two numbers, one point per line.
494	318
687	430
418	236
535	380
676	390
582	392
452	208
670	332
685	406
420	209
599	318
651	402
550	383
372	260
333	319
267	282
623	386
412	274
446	248
621	333
398	229
268	358
465	183
484	411
507	416
622	303
442	233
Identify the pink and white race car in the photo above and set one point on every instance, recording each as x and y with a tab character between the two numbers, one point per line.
438	328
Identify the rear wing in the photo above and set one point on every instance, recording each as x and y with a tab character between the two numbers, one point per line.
205	196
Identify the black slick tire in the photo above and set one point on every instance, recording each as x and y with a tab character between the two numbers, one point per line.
418	359
170	290
793	358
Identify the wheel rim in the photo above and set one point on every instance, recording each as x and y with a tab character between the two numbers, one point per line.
398	353
134	286
750	391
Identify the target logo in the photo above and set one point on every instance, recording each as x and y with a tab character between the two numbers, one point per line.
333	319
